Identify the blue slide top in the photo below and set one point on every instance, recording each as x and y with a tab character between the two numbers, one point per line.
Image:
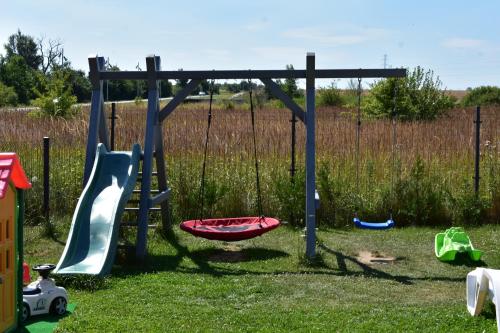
91	244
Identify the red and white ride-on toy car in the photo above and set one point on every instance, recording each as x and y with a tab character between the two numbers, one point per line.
43	296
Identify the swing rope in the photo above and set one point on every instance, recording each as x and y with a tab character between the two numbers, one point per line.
358	135
257	178
201	195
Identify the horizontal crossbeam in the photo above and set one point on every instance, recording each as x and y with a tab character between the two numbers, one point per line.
256	74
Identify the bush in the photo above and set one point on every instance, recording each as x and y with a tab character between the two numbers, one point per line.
468	208
330	96
418	96
8	96
419	198
58	99
485	95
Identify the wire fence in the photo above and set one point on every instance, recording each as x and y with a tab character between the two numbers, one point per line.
444	149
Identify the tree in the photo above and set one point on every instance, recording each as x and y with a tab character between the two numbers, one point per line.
418	97
485	95
290	85
25	47
180	84
165	88
15	73
80	85
51	54
58	99
8	96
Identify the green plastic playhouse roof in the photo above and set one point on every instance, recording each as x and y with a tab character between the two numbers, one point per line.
11	171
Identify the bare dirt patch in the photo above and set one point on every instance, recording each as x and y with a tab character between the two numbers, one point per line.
375	257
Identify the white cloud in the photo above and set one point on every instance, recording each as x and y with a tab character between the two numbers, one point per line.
326	36
462	43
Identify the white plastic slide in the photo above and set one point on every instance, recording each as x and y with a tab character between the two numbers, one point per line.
483	284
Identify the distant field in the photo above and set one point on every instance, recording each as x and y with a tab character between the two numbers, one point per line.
459	94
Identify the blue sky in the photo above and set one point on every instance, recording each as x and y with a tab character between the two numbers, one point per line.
458	39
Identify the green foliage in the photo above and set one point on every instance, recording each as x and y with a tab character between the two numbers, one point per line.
289	86
419	96
484	95
289	196
329	96
492	166
419	198
8	96
80	84
337	198
14	72
165	88
469	208
58	99
25	47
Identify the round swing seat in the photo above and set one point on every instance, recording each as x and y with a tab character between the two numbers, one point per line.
230	229
373	225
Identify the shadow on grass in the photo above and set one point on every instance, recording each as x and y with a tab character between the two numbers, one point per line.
463	259
371	272
201	258
205	259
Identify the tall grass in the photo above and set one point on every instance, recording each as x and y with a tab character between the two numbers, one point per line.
428	180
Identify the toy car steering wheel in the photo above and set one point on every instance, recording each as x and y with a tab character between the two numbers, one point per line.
44	269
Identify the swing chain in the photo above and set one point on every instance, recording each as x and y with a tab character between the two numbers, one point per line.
201	195
252	113
394	143
358	134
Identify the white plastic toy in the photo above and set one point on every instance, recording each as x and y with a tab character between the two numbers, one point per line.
43	296
483	284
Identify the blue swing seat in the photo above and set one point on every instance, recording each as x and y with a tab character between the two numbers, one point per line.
373	225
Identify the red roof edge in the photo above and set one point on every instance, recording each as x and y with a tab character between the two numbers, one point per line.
9	162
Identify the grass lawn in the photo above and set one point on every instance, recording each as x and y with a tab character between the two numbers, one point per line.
189	284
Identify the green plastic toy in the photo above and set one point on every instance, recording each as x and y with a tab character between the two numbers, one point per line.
452	241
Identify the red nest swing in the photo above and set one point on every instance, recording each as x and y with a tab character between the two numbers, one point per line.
230	229
235	228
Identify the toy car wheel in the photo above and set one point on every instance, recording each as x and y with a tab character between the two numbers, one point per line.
58	306
26	312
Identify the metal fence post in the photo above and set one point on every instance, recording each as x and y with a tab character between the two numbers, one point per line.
292	165
477	122
113	117
46	177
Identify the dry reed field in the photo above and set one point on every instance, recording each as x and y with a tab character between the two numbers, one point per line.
438	153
